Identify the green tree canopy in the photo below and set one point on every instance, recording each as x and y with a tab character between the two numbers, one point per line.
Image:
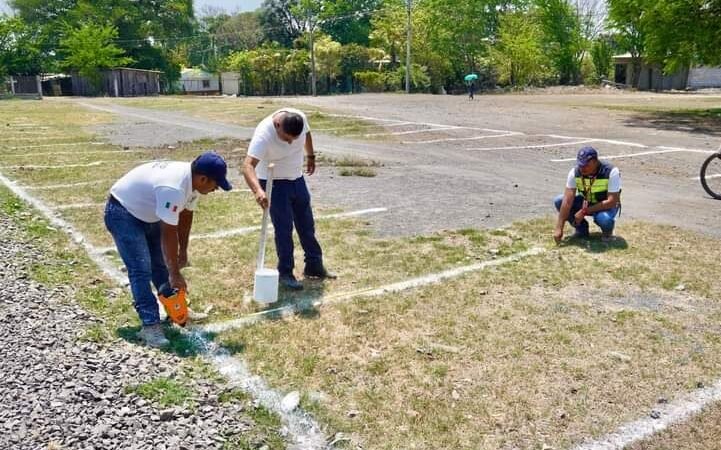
89	49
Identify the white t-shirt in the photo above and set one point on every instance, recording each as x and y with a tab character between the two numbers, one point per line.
614	180
157	191
267	147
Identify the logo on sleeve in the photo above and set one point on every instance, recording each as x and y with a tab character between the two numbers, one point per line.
173	209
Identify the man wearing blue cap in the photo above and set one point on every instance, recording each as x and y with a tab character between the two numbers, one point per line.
149	214
593	188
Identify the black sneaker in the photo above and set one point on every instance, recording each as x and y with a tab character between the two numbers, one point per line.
289	282
321	273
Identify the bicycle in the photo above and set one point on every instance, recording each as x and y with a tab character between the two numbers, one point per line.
710	175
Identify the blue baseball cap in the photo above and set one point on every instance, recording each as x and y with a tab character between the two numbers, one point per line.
213	166
586	155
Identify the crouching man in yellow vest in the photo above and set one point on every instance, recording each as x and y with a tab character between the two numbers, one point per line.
593	188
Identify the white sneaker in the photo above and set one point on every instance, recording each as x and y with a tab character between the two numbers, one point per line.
153	336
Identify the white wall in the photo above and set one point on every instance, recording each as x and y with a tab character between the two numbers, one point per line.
704	77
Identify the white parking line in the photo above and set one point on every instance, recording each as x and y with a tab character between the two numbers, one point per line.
68	144
652	152
245	230
474	138
68	166
608	141
77	206
399	124
284	311
402	133
65	185
669	414
523	147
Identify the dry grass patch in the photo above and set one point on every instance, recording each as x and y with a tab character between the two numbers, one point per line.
523	355
225	267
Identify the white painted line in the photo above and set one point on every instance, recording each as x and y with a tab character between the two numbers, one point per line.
708	177
399	124
77	206
245	230
402	133
69	166
522	147
105	265
690	150
60	166
43	137
288	310
609	141
304	431
79	153
671	413
69	144
652	152
474	138
492	130
65	185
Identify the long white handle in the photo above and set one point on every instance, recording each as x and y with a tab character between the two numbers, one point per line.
260	262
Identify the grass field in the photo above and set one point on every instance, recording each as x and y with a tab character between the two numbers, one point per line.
544	352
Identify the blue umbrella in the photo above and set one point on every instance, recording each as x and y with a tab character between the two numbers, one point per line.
471	77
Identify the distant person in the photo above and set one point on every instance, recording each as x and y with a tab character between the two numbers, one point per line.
593	188
281	139
471	90
149	214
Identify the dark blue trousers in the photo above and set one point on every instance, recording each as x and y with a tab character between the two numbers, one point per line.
290	205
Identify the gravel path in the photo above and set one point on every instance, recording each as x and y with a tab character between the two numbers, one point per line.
58	392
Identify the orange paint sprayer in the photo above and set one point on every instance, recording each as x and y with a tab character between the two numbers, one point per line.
175	305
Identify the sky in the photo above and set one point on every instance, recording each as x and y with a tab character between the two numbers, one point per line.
228	5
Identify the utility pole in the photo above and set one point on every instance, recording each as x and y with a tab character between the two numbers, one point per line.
408	50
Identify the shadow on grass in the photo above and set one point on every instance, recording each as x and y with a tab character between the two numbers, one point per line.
181	344
594	243
706	121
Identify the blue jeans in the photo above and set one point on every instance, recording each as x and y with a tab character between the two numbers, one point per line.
139	246
604	219
290	205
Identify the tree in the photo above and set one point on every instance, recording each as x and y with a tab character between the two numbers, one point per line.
624	18
348	21
89	49
565	43
602	56
680	33
21	49
279	22
518	55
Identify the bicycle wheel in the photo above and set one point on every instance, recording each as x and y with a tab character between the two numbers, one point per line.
711	175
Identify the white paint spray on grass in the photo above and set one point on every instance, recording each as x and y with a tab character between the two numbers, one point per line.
289	310
674	412
303	430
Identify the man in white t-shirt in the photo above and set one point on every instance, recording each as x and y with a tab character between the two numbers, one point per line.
593	188
281	138
149	214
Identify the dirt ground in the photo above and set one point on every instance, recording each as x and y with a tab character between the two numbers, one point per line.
476	180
